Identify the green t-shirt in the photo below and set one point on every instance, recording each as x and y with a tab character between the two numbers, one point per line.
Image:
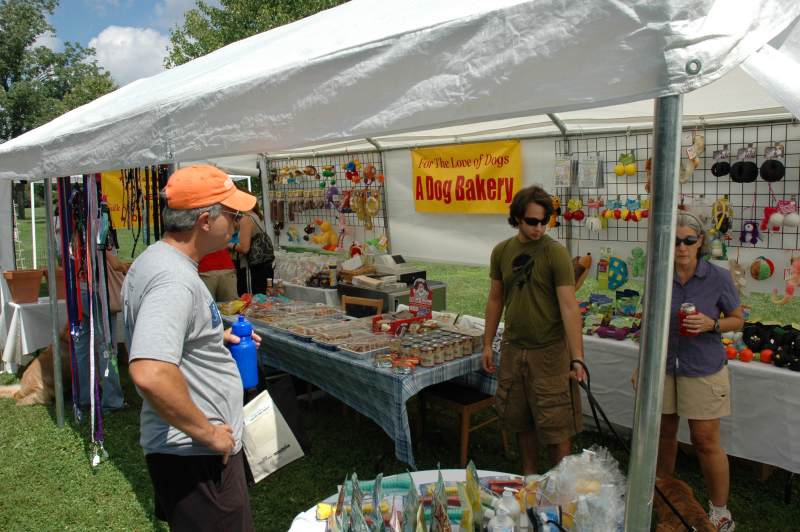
530	273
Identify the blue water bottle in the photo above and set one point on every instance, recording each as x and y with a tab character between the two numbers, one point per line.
245	353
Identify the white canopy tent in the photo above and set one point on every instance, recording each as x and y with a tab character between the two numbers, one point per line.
370	68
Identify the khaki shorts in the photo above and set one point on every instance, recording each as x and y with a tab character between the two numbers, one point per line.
534	392
698	397
221	284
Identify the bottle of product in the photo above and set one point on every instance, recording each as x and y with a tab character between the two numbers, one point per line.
510	503
332	274
245	353
501	522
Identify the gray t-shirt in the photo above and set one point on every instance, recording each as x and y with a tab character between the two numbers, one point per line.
170	316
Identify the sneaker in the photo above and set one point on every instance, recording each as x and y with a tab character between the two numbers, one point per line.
722	522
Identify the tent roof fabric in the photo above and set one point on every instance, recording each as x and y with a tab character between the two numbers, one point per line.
385	67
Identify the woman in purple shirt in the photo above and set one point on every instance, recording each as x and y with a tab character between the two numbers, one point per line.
697	384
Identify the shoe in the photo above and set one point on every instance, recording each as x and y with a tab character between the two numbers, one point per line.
722	522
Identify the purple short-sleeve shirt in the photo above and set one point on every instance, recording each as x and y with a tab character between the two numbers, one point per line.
712	291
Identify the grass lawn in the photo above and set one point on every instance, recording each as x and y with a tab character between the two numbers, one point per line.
48	483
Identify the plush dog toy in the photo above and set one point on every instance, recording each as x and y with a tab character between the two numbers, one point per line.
329	240
791	284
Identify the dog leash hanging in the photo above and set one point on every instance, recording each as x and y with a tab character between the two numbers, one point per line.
101	243
90	191
146	214
64	192
156	206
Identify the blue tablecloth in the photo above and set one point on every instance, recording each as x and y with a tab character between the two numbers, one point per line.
377	393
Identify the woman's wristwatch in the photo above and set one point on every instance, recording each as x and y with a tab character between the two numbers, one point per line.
716	326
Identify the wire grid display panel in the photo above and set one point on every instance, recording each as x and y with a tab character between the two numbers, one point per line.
747	199
307	185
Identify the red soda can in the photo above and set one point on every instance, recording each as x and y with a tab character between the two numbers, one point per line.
687	309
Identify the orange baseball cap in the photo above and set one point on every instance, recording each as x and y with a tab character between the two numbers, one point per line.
192	187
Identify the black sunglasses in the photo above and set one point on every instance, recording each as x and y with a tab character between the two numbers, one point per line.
689	241
533	222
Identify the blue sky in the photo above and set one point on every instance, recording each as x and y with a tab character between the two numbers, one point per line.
130	36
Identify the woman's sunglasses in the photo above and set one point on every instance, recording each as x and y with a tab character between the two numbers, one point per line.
689	241
533	222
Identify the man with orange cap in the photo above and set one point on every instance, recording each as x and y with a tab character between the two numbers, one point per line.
191	419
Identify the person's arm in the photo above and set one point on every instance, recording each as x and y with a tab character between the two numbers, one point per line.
164	386
571	316
700	323
245	236
494	309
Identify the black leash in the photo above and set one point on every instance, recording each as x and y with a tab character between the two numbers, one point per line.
587	387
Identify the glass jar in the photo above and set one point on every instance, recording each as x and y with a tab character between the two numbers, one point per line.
455	347
438	353
427	357
447	349
466	346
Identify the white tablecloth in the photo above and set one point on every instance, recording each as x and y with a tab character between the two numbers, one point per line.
765	421
307	521
26	328
328	296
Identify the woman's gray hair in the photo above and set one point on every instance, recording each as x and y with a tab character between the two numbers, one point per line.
178	221
693	222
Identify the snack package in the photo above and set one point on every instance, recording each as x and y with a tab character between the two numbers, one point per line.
340	499
377	498
420	520
357	520
467	524
410	508
357	498
440	521
473	491
588	486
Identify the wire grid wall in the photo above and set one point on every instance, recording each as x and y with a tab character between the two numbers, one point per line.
699	193
299	213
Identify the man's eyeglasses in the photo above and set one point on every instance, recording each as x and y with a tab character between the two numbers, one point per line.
533	222
236	215
688	241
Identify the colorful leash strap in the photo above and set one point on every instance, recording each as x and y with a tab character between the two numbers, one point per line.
70	275
91	221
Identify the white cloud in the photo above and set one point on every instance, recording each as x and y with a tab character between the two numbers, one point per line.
168	13
49	40
130	53
101	6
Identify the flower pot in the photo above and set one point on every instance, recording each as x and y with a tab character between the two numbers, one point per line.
24	285
61	287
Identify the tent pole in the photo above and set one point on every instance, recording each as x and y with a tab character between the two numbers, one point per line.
573	190
655	321
33	225
51	288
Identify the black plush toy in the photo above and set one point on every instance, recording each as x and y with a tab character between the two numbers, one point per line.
787	353
755	336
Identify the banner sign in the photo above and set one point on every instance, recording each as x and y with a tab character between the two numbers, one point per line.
113	189
467	178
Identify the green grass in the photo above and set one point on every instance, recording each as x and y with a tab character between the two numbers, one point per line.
48	483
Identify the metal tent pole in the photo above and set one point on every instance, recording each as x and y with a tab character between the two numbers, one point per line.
51	288
655	321
33	225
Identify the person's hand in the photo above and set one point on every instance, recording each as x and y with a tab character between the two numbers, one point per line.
230	338
487	360
578	373
635	377
698	323
220	439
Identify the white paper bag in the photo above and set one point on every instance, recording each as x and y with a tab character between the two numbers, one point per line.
269	443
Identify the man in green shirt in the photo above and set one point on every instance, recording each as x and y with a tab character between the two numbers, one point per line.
532	279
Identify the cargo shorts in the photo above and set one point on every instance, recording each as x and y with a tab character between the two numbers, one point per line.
535	392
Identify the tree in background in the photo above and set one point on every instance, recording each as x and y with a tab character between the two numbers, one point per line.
38	84
208	28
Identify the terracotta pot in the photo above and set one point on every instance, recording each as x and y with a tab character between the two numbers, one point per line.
24	285
61	287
